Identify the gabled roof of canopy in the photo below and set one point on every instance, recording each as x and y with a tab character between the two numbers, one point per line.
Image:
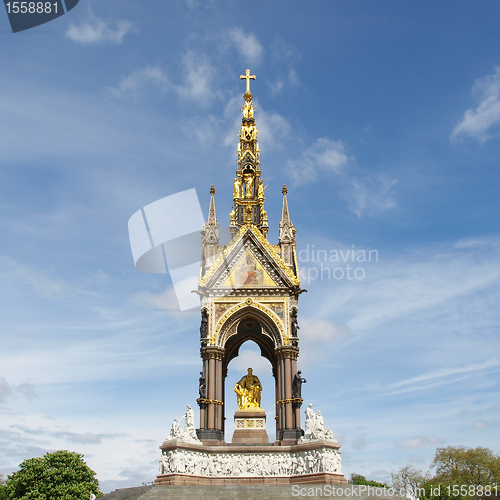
269	263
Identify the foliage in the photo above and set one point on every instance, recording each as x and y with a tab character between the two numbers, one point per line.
434	490
61	475
359	479
470	466
408	479
3	488
462	473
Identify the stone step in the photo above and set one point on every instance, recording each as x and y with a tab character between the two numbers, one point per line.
248	492
126	493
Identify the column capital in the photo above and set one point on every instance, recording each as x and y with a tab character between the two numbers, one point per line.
212	352
287	352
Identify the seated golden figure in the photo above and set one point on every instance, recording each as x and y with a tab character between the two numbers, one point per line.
248	391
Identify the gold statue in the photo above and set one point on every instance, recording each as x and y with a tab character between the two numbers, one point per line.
248	391
248	109
237	188
248	178
261	189
248	133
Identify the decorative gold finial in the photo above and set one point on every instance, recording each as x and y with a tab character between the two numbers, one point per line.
284	190
212	190
248	77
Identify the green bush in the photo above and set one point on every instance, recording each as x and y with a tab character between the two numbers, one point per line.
62	475
359	479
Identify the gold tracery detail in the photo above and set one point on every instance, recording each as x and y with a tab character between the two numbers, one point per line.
270	248
274	317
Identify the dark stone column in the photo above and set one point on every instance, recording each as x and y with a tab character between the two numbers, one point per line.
210	431
290	430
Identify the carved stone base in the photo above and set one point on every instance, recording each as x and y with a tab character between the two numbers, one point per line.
317	462
289	436
182	479
250	427
211	437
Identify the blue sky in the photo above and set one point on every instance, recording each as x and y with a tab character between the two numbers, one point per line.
383	119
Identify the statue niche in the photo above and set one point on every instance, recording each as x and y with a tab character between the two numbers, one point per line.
237	191
202	386
297	382
261	189
248	132
204	324
248	180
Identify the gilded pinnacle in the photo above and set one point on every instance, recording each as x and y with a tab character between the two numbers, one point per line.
248	77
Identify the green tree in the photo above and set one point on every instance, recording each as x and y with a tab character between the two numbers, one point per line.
408	479
62	475
470	466
359	479
3	488
460	472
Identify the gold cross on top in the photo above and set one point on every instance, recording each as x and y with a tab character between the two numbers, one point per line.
248	77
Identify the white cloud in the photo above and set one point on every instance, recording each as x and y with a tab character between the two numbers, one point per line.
132	85
28	391
318	337
418	442
274	130
284	82
198	78
166	300
199	4
360	442
371	195
5	389
87	437
365	193
94	31
250	356
293	79
480	122
445	295
41	282
440	377
480	424
247	45
325	155
430	277
26	436
322	331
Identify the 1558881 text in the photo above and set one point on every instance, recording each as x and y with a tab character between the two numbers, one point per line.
31	7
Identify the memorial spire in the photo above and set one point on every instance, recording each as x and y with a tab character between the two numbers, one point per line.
210	234
248	192
287	232
212	218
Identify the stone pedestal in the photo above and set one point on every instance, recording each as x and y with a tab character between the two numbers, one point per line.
313	462
211	437
250	427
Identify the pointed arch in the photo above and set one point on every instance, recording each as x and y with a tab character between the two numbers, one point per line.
272	327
